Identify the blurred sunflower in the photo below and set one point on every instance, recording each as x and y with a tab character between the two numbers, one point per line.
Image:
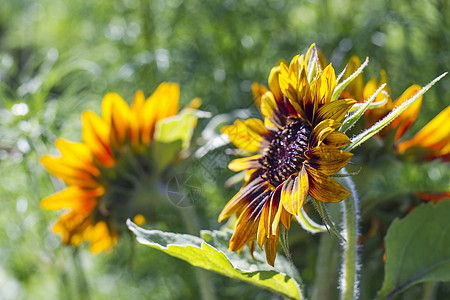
298	150
433	140
110	174
360	92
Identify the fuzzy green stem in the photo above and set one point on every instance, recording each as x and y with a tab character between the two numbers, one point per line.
190	220
326	268
350	264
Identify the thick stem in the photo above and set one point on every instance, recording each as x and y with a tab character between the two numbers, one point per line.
203	277
325	276
350	265
83	286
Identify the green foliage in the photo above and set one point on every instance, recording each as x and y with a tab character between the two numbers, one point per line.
199	253
417	249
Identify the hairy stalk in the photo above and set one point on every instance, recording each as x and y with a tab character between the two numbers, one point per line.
190	220
350	263
325	273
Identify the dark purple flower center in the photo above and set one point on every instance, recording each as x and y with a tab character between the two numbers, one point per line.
284	155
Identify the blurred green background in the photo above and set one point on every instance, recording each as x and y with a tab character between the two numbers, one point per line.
59	58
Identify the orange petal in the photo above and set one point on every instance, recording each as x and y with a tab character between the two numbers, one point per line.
247	224
77	155
71	226
74	198
96	134
406	118
116	114
245	163
355	87
324	188
100	237
68	173
434	135
246	194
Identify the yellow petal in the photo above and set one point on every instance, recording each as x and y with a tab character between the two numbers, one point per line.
270	110
325	86
324	188
258	91
270	248
434	135
296	192
247	134
100	237
245	163
321	131
336	139
335	110
74	198
327	160
167	96
274	84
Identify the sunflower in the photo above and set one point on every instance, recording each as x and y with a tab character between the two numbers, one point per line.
108	175
297	150
433	140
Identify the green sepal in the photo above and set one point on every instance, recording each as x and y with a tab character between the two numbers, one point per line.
321	209
340	87
361	108
377	127
308	224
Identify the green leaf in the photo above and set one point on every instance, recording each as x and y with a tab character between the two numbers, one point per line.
213	256
173	135
366	134
417	249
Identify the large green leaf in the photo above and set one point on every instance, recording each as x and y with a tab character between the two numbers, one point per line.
202	254
417	249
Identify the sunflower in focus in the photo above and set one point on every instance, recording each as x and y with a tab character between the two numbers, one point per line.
293	152
109	174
